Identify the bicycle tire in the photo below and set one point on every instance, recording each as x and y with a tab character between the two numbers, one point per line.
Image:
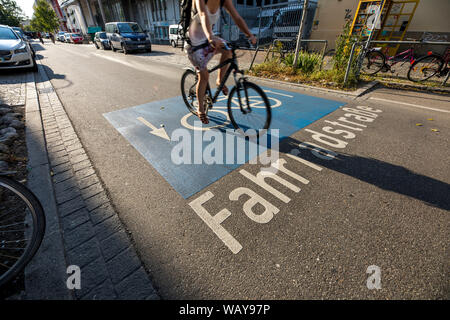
189	105
378	66
250	85
438	59
38	220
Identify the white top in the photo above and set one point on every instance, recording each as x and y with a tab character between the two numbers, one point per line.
196	34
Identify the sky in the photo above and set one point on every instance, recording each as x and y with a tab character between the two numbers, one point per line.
27	7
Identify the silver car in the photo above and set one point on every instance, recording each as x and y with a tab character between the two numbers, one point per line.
15	53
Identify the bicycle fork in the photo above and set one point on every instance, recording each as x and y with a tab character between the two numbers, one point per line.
239	84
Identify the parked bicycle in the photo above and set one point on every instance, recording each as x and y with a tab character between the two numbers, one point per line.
245	110
22	227
429	66
375	60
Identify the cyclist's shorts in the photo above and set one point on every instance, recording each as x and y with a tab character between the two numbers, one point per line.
200	57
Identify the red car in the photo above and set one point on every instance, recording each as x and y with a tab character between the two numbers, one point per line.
76	38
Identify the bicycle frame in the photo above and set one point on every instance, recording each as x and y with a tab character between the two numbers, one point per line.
407	54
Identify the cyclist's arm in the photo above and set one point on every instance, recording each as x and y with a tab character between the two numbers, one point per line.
204	19
228	5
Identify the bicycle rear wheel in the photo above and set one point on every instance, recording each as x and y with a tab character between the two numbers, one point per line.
425	68
22	226
249	109
373	62
188	89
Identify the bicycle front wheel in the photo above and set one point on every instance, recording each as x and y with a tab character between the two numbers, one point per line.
425	68
373	62
249	108
22	226
188	89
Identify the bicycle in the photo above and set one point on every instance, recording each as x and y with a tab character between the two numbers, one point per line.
261	114
374	61
22	227
429	66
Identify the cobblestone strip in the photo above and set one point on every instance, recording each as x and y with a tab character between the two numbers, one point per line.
94	238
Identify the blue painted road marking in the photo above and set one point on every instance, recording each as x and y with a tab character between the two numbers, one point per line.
146	126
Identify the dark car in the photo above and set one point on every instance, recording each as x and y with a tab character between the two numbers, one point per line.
127	36
101	41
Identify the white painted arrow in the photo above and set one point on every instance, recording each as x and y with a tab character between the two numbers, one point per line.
160	132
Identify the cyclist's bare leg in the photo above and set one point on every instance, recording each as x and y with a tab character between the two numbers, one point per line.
203	76
226	54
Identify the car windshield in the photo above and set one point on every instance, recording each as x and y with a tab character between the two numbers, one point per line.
7	34
19	31
102	35
129	27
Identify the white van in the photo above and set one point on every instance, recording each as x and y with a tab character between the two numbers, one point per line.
174	35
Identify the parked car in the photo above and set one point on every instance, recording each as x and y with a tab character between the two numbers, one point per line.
101	41
24	37
46	35
76	38
127	36
15	53
174	35
60	36
67	37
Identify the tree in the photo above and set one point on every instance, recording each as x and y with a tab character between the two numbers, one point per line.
44	18
10	13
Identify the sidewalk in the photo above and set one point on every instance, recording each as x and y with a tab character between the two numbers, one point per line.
83	228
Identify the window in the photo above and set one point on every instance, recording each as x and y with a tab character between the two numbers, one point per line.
7	34
250	2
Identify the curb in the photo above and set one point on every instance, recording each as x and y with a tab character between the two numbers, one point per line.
81	219
45	275
397	85
353	94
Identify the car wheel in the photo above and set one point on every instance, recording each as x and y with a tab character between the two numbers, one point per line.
96	45
173	44
34	68
125	51
149	50
113	48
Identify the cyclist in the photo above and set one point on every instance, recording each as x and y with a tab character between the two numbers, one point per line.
204	44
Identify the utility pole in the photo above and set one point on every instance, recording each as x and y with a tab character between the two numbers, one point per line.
300	30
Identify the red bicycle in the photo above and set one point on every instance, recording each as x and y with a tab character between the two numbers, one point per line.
429	66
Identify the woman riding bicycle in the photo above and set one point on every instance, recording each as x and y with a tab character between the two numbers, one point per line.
204	44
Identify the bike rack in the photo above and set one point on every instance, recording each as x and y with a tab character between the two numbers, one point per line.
388	42
289	40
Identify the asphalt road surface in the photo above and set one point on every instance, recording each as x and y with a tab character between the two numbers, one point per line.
376	203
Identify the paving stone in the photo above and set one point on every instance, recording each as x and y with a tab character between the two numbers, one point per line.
92	275
61	176
55	148
135	286
75	219
61	168
76	152
78	236
88	181
58	161
73	147
71	206
83	173
78	158
101	213
67	195
123	265
65	185
104	291
96	201
114	244
81	165
91	191
108	227
85	253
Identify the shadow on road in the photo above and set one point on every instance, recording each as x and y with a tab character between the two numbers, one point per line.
384	175
154	53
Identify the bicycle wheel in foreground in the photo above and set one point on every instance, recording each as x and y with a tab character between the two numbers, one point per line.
373	62
22	226
253	112
188	85
425	68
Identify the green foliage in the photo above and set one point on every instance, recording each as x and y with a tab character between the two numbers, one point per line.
44	18
306	63
10	13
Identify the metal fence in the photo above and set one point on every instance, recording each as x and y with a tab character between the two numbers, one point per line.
270	22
